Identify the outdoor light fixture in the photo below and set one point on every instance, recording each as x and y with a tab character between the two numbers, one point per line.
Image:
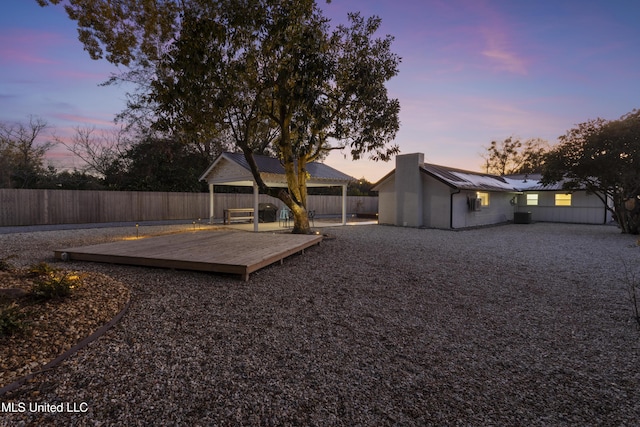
137	225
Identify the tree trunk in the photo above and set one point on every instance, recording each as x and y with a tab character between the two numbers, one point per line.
297	198
300	221
627	213
296	175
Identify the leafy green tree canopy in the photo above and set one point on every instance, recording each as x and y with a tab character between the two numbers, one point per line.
266	74
603	157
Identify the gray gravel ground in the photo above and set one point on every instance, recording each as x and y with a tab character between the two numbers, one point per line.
511	325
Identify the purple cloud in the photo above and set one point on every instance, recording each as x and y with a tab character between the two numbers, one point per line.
27	47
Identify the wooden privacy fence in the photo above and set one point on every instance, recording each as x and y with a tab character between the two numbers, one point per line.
37	207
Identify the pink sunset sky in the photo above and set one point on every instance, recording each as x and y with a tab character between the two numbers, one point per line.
472	71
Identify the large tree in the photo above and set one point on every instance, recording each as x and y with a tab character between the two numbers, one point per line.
268	74
603	157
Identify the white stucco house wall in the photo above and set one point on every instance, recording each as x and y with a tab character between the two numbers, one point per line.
552	204
418	194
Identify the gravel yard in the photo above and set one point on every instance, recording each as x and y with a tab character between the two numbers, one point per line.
511	325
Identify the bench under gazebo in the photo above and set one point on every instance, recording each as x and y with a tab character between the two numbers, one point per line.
232	169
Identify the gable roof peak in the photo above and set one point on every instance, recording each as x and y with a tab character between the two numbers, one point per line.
270	165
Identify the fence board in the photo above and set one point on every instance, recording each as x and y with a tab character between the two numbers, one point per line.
39	207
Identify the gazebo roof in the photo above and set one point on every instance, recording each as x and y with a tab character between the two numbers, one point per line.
233	169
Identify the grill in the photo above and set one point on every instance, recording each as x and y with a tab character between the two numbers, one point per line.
267	212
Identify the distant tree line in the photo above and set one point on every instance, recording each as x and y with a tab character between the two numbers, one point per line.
112	161
22	154
115	160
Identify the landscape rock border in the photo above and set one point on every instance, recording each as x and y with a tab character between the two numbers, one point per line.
64	356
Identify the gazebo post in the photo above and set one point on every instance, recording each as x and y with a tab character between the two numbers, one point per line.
256	206
344	204
211	206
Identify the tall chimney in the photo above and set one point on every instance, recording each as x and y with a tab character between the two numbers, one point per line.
409	192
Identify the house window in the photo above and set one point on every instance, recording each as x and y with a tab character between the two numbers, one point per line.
484	197
532	199
563	199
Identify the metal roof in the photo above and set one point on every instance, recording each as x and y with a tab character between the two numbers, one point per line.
467	180
478	181
531	182
269	165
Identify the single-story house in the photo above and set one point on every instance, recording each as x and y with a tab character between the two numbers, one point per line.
233	169
418	194
550	203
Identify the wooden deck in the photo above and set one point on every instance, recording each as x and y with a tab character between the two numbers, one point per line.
234	252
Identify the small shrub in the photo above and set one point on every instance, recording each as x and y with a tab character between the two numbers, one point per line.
54	287
51	283
11	319
42	269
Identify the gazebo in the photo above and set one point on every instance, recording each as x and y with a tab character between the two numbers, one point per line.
233	169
